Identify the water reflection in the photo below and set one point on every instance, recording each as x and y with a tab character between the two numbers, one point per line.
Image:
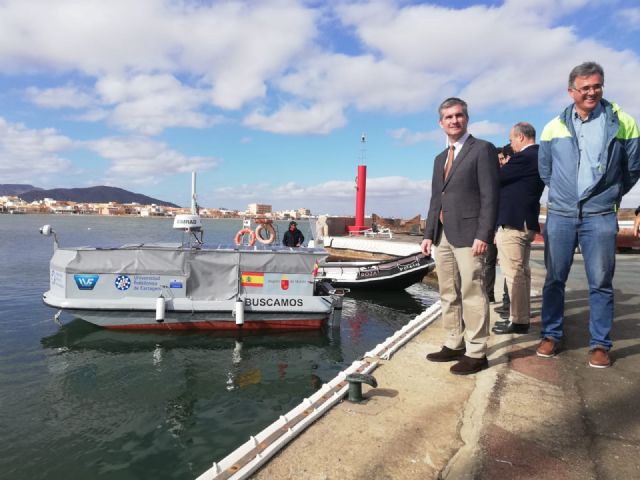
80	335
125	397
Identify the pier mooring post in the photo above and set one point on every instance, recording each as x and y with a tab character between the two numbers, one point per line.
355	385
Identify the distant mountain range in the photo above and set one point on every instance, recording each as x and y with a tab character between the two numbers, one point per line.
16	188
101	194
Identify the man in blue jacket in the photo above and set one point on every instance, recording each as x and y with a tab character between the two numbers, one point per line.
520	191
589	158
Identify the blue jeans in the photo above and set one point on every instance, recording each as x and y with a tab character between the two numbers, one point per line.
596	236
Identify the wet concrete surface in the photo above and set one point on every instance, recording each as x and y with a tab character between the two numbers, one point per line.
525	417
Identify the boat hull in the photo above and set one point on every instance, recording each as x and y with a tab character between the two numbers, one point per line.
119	320
166	287
396	274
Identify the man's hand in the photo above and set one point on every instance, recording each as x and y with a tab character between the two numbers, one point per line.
478	247
636	226
425	246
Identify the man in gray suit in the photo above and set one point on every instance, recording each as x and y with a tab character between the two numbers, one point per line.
461	223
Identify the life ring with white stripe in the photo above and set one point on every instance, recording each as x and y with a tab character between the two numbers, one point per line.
242	233
271	234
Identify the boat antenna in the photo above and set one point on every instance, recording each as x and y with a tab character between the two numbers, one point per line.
190	224
195	208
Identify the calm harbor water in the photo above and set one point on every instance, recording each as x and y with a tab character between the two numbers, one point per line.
79	402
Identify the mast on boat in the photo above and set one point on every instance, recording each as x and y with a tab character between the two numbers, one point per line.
190	224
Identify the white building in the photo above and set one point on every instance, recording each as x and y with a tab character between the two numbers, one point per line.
259	209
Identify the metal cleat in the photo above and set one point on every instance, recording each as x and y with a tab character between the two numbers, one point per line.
355	385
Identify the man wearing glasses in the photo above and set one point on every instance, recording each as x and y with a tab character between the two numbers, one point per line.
589	158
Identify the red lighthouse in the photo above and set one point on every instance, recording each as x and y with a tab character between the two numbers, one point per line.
361	190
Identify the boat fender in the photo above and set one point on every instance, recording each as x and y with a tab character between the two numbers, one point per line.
355	385
239	312
160	308
246	231
271	234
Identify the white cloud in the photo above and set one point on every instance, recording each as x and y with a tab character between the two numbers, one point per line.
148	104
363	81
267	56
60	97
485	127
629	17
26	153
235	47
407	137
481	128
511	55
319	118
146	160
385	195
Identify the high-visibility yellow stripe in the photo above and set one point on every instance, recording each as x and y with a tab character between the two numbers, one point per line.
556	128
628	127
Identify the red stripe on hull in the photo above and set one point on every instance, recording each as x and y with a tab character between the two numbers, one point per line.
222	325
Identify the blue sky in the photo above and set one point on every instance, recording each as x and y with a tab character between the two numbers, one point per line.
268	99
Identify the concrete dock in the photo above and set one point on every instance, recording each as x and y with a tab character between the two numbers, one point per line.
525	417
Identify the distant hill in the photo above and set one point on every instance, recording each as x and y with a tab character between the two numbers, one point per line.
101	194
16	188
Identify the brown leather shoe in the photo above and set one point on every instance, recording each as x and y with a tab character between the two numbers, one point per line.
547	348
468	365
599	358
446	355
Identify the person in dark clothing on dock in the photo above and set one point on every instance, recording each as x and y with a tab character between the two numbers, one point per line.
293	237
491	257
517	224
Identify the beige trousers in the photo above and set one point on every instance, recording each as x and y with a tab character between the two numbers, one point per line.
514	250
465	306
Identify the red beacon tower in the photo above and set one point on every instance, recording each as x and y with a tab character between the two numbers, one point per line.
361	190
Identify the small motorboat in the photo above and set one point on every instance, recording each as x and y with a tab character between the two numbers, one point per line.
191	285
389	274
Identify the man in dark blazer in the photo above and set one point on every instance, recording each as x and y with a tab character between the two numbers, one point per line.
517	224
461	223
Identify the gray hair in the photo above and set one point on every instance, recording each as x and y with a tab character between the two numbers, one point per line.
525	129
452	102
585	69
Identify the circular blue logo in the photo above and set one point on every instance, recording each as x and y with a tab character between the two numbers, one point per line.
123	282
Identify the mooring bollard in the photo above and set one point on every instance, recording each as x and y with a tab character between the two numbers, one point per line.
355	385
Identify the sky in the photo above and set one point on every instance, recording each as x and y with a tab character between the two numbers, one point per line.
268	100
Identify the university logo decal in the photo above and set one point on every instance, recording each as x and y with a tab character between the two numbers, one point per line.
123	282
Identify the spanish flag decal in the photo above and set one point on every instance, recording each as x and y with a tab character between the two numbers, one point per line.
252	279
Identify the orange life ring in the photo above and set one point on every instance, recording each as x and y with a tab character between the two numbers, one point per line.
270	231
242	233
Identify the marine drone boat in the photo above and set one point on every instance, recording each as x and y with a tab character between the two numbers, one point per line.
191	285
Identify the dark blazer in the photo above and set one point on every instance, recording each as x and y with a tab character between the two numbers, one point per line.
520	191
468	198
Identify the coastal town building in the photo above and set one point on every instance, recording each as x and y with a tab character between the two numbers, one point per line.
258	209
14	204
